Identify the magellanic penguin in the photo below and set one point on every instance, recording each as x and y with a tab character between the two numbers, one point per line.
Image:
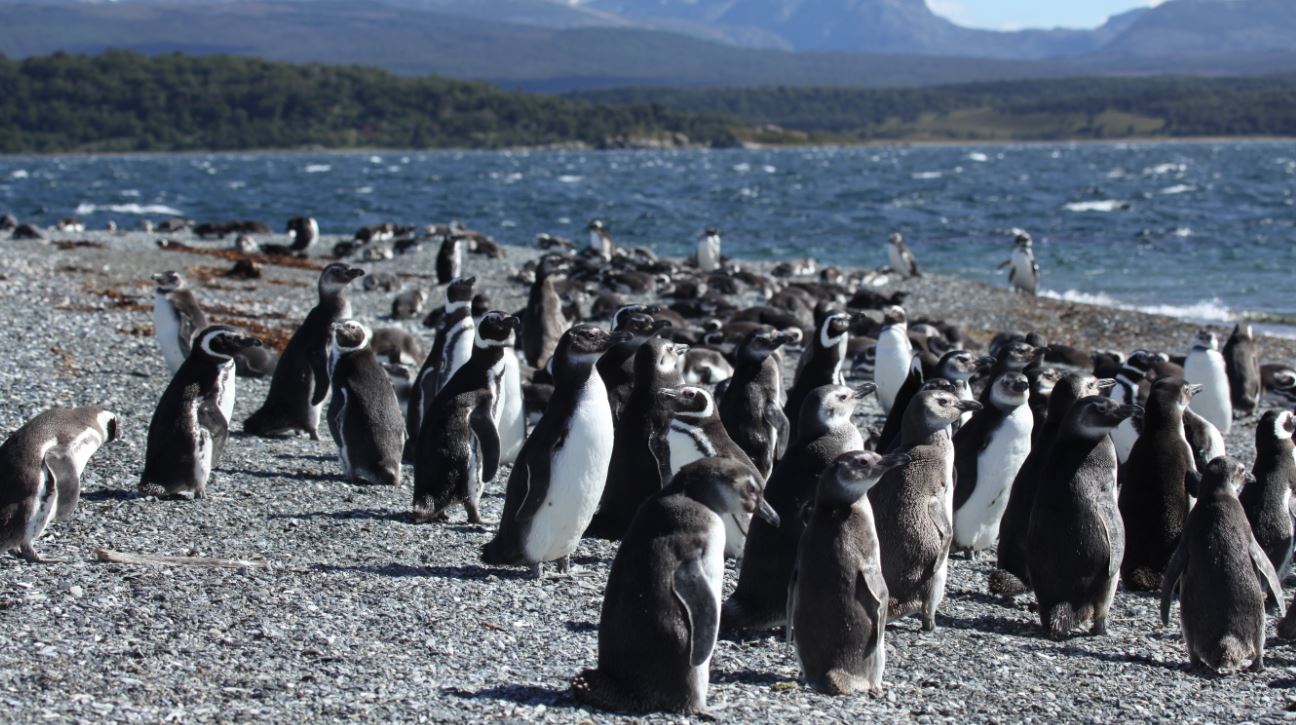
1205	367
1155	484
637	469
1243	368
1023	273
825	433
988	453
616	366
176	318
902	260
695	432
544	321
458	450
300	381
956	366
449	261
1076	539
191	422
305	232
1268	499
363	415
837	598
914	505
820	364
750	408
708	251
451	348
661	608
894	356
1130	379
1221	574
1012	574
41	465
600	240
558	479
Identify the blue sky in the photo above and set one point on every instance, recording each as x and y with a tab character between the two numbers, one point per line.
1017	14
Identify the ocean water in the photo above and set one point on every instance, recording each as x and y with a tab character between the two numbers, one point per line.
1202	231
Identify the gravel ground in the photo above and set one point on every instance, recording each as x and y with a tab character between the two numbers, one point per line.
360	615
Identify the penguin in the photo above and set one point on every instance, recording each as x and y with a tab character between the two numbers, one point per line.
1130	378
914	506
408	304
837	598
558	479
364	415
1204	440
820	364
458	450
41	465
544	321
704	366
956	366
176	317
988	453
894	355
1024	273
455	332
750	408
1012	575
190	425
661	608
509	409
1205	366
449	261
600	241
1042	381
1220	574
1155	483
902	260
825	432
637	469
300	381
305	232
1076	539
708	251
1267	500
1243	369
1280	381
616	366
696	432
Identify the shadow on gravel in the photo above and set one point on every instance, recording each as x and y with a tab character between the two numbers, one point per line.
110	494
520	694
581	626
439	572
286	475
361	514
990	623
1113	657
748	677
321	458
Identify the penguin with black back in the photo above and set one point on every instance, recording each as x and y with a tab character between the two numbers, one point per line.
300	381
544	321
661	608
1243	369
616	366
751	407
363	413
1220	574
988	453
1267	499
956	366
451	348
820	364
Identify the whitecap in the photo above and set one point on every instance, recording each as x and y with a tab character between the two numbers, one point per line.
1106	205
1212	310
1183	232
769	169
1163	169
375	159
927	175
978	157
742	168
1178	189
130	193
86	208
18	174
364	190
318	168
570	179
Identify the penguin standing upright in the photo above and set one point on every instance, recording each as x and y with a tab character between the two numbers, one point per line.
1130	378
616	366
449	261
176	318
190	425
902	260
637	467
363	414
894	356
955	366
1205	366
41	465
509	410
305	232
750	408
1243	369
300	381
1267	499
820	364
455	332
544	321
825	433
914	506
559	476
708	251
600	240
661	607
1023	273
1076	539
1221	574
837	599
988	453
458	450
1155	484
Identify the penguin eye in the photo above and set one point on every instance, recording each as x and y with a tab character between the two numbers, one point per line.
945	401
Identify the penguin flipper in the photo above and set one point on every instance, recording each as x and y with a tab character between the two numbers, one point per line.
940	519
871	593
539	473
483	428
62	472
693	591
319	373
210	418
778	420
1268	577
790	628
1174	570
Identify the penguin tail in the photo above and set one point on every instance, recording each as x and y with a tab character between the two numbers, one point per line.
596	689
265	424
497	553
1229	654
1004	584
1143	579
1059	620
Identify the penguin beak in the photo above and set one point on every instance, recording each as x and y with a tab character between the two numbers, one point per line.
354	273
782	339
985	362
894	460
668	394
680	349
865	390
767	512
466	280
968	406
1129	411
1106	383
1021	386
1193	390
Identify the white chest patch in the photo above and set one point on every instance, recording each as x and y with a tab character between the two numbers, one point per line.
713	570
166	326
576	477
1024	270
512	417
976	524
894	355
687	444
225	394
1206	368
46	502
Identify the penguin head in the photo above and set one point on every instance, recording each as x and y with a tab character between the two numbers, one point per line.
1205	340
726	487
349	336
1044	380
833	328
1095	416
1010	391
223	342
336	277
940	384
896	239
850	477
497	329
1022	240
584	343
760	344
638	325
932	410
169	281
460	291
1016	356
659	359
831	407
962	365
1225	475
893	315
618	317
1275	425
1243	331
687	403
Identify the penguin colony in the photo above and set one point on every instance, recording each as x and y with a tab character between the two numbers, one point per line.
669	428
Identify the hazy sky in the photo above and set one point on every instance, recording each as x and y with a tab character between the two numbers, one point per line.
1017	14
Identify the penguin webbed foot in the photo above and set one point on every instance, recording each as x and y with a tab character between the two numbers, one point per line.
314	435
537	570
1099	628
564	565
29	554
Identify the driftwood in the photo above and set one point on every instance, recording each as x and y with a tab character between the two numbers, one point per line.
121	557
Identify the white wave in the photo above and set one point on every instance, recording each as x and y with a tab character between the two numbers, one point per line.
767	168
928	175
18	174
1183	232
130	193
570	179
364	190
978	157
375	159
1212	310
742	168
318	168
1106	205
1178	189
86	208
1163	169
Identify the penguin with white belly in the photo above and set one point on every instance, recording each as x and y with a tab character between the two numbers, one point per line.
176	318
894	356
988	452
1205	366
364	415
